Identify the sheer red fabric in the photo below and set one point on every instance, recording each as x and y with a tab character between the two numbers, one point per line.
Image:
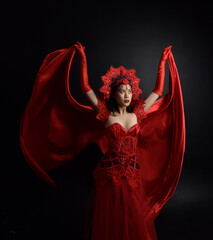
55	127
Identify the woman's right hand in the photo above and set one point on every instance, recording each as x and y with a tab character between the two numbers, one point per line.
84	84
80	49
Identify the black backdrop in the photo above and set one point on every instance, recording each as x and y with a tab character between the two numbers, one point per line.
132	34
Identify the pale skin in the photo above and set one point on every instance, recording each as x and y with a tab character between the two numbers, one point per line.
127	120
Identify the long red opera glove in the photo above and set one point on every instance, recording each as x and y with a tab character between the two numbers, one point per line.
161	72
84	84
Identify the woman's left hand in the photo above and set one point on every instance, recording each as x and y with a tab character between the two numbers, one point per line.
165	53
80	48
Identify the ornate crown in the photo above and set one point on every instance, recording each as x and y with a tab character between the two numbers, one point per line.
126	75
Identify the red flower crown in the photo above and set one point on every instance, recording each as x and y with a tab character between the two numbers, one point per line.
126	75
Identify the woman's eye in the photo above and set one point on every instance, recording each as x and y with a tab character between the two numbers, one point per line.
122	91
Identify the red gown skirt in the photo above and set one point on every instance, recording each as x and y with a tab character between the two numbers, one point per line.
118	212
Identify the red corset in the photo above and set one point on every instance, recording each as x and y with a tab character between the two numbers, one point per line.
120	159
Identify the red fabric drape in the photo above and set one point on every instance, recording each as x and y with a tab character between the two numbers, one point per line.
55	127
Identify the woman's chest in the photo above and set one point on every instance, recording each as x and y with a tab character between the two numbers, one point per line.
126	122
118	133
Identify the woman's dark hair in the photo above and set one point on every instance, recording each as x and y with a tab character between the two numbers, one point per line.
112	104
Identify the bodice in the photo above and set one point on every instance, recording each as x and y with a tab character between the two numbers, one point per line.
122	141
120	159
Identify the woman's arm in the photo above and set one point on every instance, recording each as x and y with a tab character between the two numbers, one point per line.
159	85
92	98
84	83
150	100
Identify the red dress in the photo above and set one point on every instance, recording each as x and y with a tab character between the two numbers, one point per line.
119	205
131	189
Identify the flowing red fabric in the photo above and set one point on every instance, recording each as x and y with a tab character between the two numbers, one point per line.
55	127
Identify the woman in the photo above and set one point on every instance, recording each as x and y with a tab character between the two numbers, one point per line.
120	205
142	141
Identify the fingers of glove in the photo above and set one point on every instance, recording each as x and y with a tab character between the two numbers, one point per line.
165	53
167	50
80	45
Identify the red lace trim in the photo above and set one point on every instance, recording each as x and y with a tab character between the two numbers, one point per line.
104	112
139	110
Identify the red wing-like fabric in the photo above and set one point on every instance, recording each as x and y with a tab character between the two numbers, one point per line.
161	144
55	128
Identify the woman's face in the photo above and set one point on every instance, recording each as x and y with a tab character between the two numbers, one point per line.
122	94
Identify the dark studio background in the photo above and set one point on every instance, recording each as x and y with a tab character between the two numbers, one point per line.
132	34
